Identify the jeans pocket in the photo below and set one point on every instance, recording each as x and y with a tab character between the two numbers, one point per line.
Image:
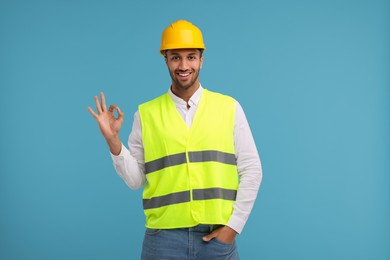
216	249
215	240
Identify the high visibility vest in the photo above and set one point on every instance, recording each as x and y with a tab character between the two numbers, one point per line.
191	172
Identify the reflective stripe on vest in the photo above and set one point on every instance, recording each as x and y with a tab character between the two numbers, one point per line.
191	172
184	196
200	156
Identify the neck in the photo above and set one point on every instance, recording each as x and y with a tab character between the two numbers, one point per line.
185	94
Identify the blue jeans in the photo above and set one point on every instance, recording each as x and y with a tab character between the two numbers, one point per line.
185	244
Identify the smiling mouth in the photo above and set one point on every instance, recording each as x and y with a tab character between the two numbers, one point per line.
183	75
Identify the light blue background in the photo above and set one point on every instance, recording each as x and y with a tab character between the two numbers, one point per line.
312	77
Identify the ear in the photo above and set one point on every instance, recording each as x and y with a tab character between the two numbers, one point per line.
201	62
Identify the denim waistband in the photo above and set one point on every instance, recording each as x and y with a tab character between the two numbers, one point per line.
198	228
204	227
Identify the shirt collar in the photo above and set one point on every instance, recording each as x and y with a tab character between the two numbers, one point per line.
194	99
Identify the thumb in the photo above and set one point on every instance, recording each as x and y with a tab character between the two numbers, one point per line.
209	237
120	113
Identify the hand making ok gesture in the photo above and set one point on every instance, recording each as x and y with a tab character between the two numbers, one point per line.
109	125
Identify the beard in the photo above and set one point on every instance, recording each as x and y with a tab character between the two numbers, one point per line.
187	85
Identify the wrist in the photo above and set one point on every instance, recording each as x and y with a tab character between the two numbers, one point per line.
231	233
112	138
115	144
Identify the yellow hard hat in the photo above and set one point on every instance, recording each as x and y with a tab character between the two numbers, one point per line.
181	35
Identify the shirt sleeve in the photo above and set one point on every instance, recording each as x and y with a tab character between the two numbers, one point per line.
129	164
249	170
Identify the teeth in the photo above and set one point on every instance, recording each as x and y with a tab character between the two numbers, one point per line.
184	75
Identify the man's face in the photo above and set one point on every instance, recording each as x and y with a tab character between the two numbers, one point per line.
184	66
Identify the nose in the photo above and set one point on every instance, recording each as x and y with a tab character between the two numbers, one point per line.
183	65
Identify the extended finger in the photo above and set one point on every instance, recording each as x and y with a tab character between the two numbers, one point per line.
92	112
98	107
104	108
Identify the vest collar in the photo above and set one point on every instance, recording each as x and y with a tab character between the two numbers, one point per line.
194	100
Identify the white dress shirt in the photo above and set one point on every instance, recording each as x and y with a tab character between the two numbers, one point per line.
130	165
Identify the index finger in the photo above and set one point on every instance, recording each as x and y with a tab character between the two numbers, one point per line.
104	108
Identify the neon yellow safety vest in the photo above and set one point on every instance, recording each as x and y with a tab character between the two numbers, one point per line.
191	172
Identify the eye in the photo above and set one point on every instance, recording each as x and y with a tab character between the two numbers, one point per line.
191	57
175	57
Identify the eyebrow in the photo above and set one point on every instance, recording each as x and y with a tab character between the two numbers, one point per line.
177	53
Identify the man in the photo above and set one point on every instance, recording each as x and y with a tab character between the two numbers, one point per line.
193	151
